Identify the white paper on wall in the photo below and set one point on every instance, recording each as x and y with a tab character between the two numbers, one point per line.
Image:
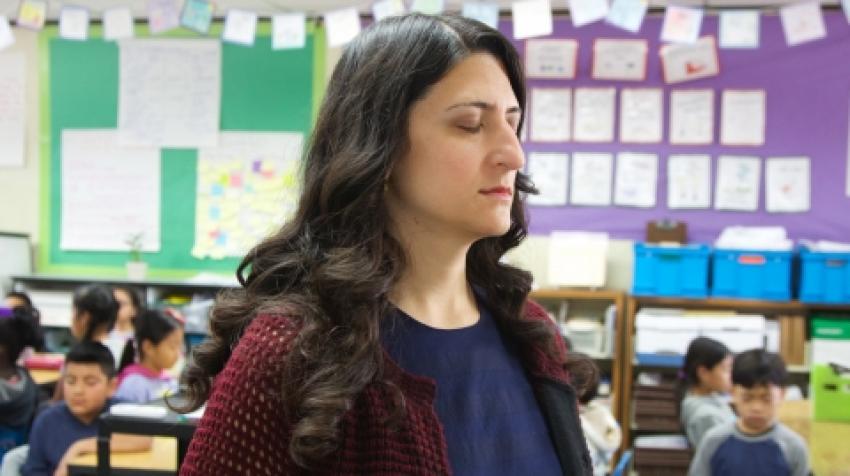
551	110
591	179
551	58
692	117
619	59
641	115
689	181
738	180
169	92
739	29
12	109
742	117
531	18
636	178
109	193
550	174
594	111
787	184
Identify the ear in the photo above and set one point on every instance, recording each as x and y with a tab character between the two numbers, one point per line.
112	386
146	347
702	373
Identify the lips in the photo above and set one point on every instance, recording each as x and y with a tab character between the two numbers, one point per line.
499	191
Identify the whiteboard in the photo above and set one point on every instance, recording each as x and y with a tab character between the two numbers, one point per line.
15	258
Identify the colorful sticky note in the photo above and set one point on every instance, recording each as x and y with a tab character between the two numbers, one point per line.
627	14
256	166
163	15
485	12
428	7
681	24
32	14
197	15
216	190
236	180
215	213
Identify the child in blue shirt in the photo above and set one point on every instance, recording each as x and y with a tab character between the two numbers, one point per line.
69	428
756	443
158	344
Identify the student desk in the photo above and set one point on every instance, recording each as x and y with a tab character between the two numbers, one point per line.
172	425
44	377
827	441
160	460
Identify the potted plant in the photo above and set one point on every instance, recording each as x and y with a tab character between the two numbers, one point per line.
136	268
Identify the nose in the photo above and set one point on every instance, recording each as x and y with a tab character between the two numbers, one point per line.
507	150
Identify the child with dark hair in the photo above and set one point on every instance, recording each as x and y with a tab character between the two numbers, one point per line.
69	429
129	305
95	312
156	348
601	430
756	444
21	300
707	372
18	392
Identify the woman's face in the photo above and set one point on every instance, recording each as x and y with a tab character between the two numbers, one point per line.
457	178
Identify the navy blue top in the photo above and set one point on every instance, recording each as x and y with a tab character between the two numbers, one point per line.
491	419
54	431
726	451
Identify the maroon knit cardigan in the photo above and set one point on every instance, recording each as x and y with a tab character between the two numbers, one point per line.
244	431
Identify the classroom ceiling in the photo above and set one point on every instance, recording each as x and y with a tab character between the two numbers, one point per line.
317	7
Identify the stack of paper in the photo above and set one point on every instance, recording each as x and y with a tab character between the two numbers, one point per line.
773	238
826	246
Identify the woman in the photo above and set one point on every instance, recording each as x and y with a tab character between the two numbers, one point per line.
377	331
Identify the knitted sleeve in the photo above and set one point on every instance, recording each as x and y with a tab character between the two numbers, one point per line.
244	430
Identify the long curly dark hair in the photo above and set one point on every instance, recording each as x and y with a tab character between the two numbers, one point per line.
333	264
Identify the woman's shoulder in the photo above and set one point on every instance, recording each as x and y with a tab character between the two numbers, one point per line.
265	343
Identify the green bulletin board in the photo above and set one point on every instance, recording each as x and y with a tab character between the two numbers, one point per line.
261	90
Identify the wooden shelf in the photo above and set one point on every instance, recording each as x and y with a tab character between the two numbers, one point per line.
768	308
577	293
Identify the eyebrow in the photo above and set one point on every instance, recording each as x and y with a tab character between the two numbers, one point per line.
483	105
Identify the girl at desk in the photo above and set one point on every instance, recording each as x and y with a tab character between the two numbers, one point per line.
708	379
157	345
129	305
18	392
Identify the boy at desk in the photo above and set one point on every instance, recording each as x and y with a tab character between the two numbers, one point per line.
756	443
69	428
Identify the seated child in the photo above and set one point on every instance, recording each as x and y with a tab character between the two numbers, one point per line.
601	430
756	443
21	300
129	305
18	392
708	380
157	346
69	428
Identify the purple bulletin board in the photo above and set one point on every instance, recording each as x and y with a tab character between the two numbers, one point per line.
808	99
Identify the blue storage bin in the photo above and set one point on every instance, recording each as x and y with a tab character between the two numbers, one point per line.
752	274
671	271
825	277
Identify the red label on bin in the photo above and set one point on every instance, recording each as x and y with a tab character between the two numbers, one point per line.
751	259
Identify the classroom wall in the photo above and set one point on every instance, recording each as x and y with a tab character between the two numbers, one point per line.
19	187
